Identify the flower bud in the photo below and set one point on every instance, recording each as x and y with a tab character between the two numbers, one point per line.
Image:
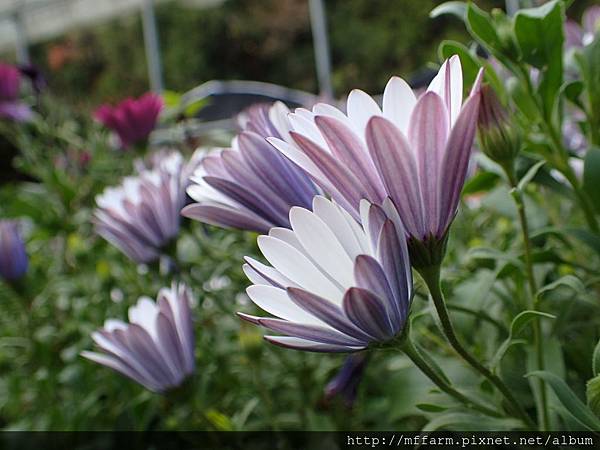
13	258
345	383
498	138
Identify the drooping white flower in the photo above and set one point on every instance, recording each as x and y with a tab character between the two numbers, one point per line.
156	347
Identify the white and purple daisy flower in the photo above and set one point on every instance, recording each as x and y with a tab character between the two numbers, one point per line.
250	186
142	214
414	151
156	347
333	286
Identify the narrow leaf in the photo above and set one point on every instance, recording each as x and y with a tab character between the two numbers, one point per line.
569	400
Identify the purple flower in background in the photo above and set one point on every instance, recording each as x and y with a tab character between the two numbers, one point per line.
156	347
345	383
11	107
251	186
332	285
415	151
580	36
133	119
141	215
13	257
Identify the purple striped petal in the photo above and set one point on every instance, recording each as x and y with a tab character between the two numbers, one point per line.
309	332
369	275
368	312
393	254
276	171
239	171
394	160
226	217
121	366
310	346
456	161
144	349
349	149
428	132
240	194
326	311
337	174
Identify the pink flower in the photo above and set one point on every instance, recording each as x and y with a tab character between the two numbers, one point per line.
10	106
133	119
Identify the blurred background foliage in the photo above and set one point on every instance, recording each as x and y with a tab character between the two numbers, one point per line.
264	40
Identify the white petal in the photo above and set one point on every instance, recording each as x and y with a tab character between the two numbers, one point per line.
276	301
361	107
144	313
298	268
398	103
322	244
307	127
335	220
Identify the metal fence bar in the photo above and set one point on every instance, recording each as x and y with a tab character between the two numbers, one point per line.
321	47
152	46
21	42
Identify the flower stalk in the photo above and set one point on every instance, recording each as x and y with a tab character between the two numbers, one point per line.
543	415
413	354
431	276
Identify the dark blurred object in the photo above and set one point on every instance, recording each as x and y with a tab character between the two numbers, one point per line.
35	76
228	98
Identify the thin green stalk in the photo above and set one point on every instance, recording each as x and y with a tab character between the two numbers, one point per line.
431	276
409	349
543	414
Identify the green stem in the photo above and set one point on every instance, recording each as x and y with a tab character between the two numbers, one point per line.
410	350
543	415
431	276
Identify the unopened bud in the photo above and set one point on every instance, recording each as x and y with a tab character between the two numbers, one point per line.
497	137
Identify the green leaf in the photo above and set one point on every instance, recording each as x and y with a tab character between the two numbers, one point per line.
523	318
539	34
569	281
479	24
592	393
569	400
596	360
482	181
533	170
430	407
590	239
458	9
572	91
517	325
472	422
591	175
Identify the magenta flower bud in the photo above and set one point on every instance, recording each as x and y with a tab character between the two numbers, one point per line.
156	347
499	138
11	107
332	286
133	119
413	152
251	186
13	257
